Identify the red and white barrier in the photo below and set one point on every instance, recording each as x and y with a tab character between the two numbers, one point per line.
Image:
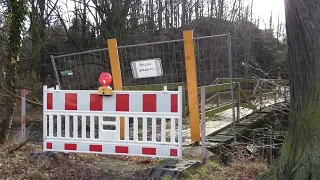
116	149
121	101
82	121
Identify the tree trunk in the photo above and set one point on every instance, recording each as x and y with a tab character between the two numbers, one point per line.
171	13
221	9
17	11
211	8
160	11
84	26
166	16
300	155
34	26
196	9
184	12
151	16
42	72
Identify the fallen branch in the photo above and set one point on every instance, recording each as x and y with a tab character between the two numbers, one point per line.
19	146
19	97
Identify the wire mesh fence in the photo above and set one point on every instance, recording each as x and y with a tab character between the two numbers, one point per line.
81	71
212	59
170	53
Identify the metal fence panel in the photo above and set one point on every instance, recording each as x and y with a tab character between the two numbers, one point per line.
212	59
172	60
81	71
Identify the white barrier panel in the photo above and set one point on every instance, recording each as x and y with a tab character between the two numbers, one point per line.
82	121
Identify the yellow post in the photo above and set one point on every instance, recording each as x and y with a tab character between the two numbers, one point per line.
192	86
116	74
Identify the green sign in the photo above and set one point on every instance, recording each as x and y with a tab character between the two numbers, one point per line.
66	73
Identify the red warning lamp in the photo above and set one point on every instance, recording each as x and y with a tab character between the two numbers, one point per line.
105	80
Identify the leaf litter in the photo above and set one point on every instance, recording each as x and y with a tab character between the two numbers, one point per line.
20	165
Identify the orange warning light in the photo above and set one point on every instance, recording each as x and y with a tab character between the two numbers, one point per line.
105	80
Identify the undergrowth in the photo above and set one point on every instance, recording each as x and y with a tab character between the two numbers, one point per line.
243	166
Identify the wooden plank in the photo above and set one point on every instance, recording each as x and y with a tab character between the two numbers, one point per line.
192	87
226	132
219	138
154	87
116	74
244	95
243	80
214	111
221	126
256	88
218	87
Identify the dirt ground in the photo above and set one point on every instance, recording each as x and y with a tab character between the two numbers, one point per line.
21	165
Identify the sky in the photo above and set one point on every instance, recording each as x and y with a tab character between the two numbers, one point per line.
263	9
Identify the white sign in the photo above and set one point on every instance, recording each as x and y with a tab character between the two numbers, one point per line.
146	68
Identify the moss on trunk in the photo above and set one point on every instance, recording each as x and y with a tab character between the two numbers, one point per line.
300	153
17	10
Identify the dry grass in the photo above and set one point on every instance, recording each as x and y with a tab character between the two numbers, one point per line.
243	167
19	165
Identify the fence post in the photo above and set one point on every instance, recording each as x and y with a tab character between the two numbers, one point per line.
218	95
192	86
55	70
238	101
203	125
116	74
285	92
23	136
184	110
275	94
231	84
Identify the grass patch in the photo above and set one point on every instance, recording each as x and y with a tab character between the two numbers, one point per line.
242	166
